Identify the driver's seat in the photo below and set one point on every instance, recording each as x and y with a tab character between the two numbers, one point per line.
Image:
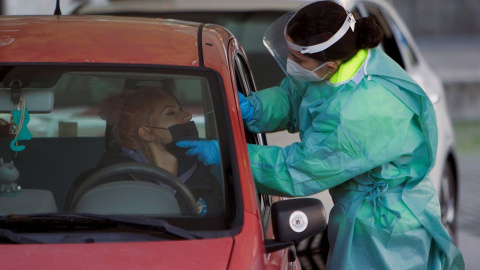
128	198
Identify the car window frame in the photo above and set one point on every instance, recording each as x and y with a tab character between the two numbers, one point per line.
232	218
245	84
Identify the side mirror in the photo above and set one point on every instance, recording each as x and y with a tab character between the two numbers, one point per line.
294	220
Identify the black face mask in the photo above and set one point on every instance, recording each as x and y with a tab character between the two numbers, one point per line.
184	132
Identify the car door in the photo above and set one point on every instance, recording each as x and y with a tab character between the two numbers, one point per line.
285	258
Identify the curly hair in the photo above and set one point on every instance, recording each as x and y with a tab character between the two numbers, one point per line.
125	111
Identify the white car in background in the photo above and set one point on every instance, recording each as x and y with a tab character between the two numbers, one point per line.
248	20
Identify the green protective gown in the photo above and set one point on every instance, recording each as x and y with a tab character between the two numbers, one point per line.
371	140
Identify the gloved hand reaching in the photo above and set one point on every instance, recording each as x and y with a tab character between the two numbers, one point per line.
245	107
206	151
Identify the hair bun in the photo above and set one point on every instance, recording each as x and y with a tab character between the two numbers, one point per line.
369	33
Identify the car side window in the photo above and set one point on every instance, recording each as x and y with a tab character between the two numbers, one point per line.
243	76
395	43
406	49
245	84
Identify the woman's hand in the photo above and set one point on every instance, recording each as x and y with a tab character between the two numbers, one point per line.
162	158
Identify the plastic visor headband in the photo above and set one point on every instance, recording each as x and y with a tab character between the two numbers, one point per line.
349	23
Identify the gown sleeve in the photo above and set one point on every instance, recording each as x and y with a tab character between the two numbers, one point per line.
349	135
272	109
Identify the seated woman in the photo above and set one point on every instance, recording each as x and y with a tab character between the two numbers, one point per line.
139	122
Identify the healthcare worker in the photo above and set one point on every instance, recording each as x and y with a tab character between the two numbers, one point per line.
368	134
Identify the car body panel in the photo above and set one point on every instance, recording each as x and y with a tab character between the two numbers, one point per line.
182	6
211	253
240	252
244	253
66	39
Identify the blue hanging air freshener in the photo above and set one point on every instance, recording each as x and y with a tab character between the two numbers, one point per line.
23	132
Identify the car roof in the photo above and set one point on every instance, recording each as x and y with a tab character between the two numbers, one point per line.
100	39
113	6
133	6
139	7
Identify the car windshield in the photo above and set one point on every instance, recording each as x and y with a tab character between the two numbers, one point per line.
74	169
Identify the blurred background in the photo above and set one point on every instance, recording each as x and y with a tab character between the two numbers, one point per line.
448	36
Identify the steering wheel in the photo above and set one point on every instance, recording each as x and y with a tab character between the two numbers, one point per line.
102	176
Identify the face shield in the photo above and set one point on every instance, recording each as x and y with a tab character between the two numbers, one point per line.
286	52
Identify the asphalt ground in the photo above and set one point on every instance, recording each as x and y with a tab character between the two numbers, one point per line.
468	219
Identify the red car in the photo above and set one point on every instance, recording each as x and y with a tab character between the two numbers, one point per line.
54	72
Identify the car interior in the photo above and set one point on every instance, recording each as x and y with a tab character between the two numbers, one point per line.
68	136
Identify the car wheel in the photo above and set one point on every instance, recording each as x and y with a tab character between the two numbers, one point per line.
448	201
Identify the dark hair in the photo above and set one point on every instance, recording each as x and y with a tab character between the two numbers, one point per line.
327	17
125	111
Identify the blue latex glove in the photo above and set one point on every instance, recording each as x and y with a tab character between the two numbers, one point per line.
206	151
245	107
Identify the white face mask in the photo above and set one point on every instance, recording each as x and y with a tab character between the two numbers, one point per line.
303	74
